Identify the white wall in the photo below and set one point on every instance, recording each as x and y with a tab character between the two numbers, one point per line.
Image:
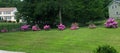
12	15
113	9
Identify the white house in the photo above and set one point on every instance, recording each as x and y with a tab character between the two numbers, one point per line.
8	14
114	9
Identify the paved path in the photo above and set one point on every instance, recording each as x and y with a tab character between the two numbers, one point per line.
3	51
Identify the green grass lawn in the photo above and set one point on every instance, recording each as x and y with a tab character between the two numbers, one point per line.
84	40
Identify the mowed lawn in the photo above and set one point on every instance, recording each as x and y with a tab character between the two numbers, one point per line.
84	40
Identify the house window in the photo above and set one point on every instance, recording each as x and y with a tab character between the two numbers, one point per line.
112	7
117	13
8	17
115	6
0	12
7	12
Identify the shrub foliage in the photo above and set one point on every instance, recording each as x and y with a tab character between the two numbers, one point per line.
105	49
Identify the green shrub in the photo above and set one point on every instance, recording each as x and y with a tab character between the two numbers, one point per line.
105	49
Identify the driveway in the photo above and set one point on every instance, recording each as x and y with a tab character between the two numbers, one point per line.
3	51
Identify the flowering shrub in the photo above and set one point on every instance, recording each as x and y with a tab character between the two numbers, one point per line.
111	23
25	27
4	30
92	26
105	49
46	27
35	28
61	27
74	26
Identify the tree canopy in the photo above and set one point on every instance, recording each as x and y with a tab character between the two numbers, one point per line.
9	3
53	11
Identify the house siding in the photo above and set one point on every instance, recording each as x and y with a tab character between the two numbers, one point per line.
8	15
114	10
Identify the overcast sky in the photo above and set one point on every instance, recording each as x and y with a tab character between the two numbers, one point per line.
21	0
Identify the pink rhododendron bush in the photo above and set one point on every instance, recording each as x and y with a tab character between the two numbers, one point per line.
61	27
25	27
74	26
35	28
4	30
46	27
111	23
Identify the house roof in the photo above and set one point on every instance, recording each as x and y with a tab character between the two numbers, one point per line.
116	1
8	9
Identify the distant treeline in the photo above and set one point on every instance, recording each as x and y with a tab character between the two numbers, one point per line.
9	3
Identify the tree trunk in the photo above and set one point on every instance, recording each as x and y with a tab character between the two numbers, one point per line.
60	16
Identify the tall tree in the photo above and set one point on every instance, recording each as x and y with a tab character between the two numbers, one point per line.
48	11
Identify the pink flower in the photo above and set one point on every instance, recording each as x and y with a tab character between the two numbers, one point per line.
61	27
74	26
111	23
115	23
46	27
4	30
35	28
25	27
